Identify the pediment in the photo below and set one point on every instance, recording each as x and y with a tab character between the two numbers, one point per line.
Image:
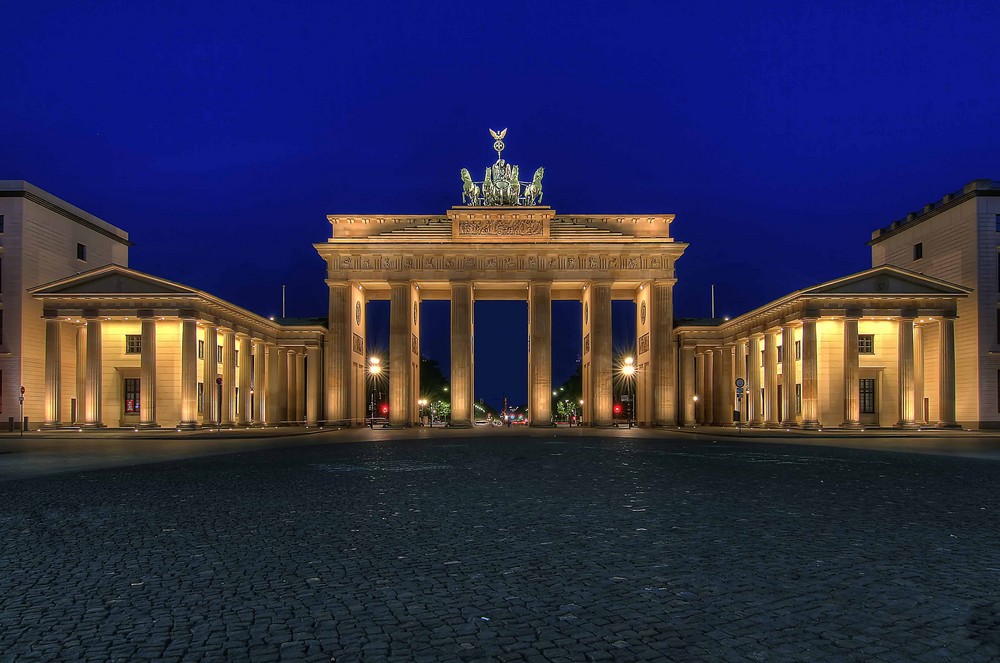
110	281
887	281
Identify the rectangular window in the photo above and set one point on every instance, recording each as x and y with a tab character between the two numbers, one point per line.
236	356
1	223
1	391
762	358
997	222
918	250
998	326
133	344
866	393
201	397
798	350
131	395
81	251
1	273
218	355
781	353
201	349
1	326
798	398
866	344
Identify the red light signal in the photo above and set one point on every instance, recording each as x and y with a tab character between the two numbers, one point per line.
385	408
618	408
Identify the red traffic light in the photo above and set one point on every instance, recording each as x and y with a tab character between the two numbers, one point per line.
385	408
618	408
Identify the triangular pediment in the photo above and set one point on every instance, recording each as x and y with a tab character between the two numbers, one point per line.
887	280
112	280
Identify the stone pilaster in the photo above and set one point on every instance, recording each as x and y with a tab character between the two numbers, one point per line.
95	366
740	365
272	381
708	393
771	379
905	371
946	372
688	387
292	392
810	374
209	373
81	374
280	395
661	364
300	387
600	300
189	373
258	383
852	404
918	375
228	377
788	380
338	354
244	369
147	372
755	382
540	353
462	354
53	373
723	378
400	304
313	364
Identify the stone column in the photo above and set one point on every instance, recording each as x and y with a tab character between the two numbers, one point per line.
788	380
147	372
244	381
228	377
53	373
291	393
95	365
688	388
708	391
400	303
338	354
540	353
300	387
313	364
600	335
209	372
810	374
81	374
272	387
462	354
189	372
741	372
918	375
904	363
699	386
258	383
662	361
755	382
280	394
852	404
946	372
723	379
771	379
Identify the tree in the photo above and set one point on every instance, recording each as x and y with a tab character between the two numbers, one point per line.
433	384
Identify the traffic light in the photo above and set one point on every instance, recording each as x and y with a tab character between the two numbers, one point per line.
618	408
385	408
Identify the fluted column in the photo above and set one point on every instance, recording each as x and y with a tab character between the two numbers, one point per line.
740	365
147	372
228	377
209	373
95	366
810	375
661	364
852	404
540	353
81	374
708	392
313	364
771	379
244	370
291	393
688	388
723	378
946	372
400	303
53	373
189	373
600	314
699	386
338	354
272	386
918	375
905	371
755	382
300	387
462	371
788	380
258	382
280	395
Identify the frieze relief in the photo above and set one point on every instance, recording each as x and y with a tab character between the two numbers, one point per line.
500	228
496	262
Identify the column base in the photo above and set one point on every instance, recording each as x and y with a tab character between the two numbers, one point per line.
852	425
791	423
51	425
773	424
187	425
148	424
93	425
949	425
907	425
810	425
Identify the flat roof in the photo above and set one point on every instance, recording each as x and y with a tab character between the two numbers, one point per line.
968	192
27	190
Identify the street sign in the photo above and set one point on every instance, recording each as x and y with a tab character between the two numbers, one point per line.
218	381
739	392
740	382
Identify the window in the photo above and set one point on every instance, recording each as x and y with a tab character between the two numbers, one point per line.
218	355
201	350
998	326
918	250
236	356
866	344
1	326
1	222
201	397
81	251
798	350
1	273
866	393
781	353
761	357
131	395
798	398
133	344
997	222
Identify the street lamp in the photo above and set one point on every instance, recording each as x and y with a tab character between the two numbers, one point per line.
695	399
374	370
422	403
628	372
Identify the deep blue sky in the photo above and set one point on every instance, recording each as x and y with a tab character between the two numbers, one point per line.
221	134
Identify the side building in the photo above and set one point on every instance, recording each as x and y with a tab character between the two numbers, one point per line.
42	238
957	238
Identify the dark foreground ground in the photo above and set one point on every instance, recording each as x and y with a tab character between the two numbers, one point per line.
508	548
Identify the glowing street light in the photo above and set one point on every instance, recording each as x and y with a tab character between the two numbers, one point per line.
628	373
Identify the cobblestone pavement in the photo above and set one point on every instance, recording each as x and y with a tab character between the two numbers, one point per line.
508	548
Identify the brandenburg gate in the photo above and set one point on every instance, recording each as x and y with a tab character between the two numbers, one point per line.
501	244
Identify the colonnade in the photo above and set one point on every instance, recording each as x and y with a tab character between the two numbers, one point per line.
262	382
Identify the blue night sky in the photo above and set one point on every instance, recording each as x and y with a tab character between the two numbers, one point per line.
219	135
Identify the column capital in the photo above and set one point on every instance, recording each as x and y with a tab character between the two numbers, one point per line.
788	326
146	314
852	313
908	314
91	314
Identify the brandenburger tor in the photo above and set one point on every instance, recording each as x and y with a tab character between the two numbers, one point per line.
502	243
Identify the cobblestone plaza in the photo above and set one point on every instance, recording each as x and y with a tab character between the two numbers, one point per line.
553	546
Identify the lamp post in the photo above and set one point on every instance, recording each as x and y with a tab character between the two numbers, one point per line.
579	420
695	399
628	372
374	370
421	403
